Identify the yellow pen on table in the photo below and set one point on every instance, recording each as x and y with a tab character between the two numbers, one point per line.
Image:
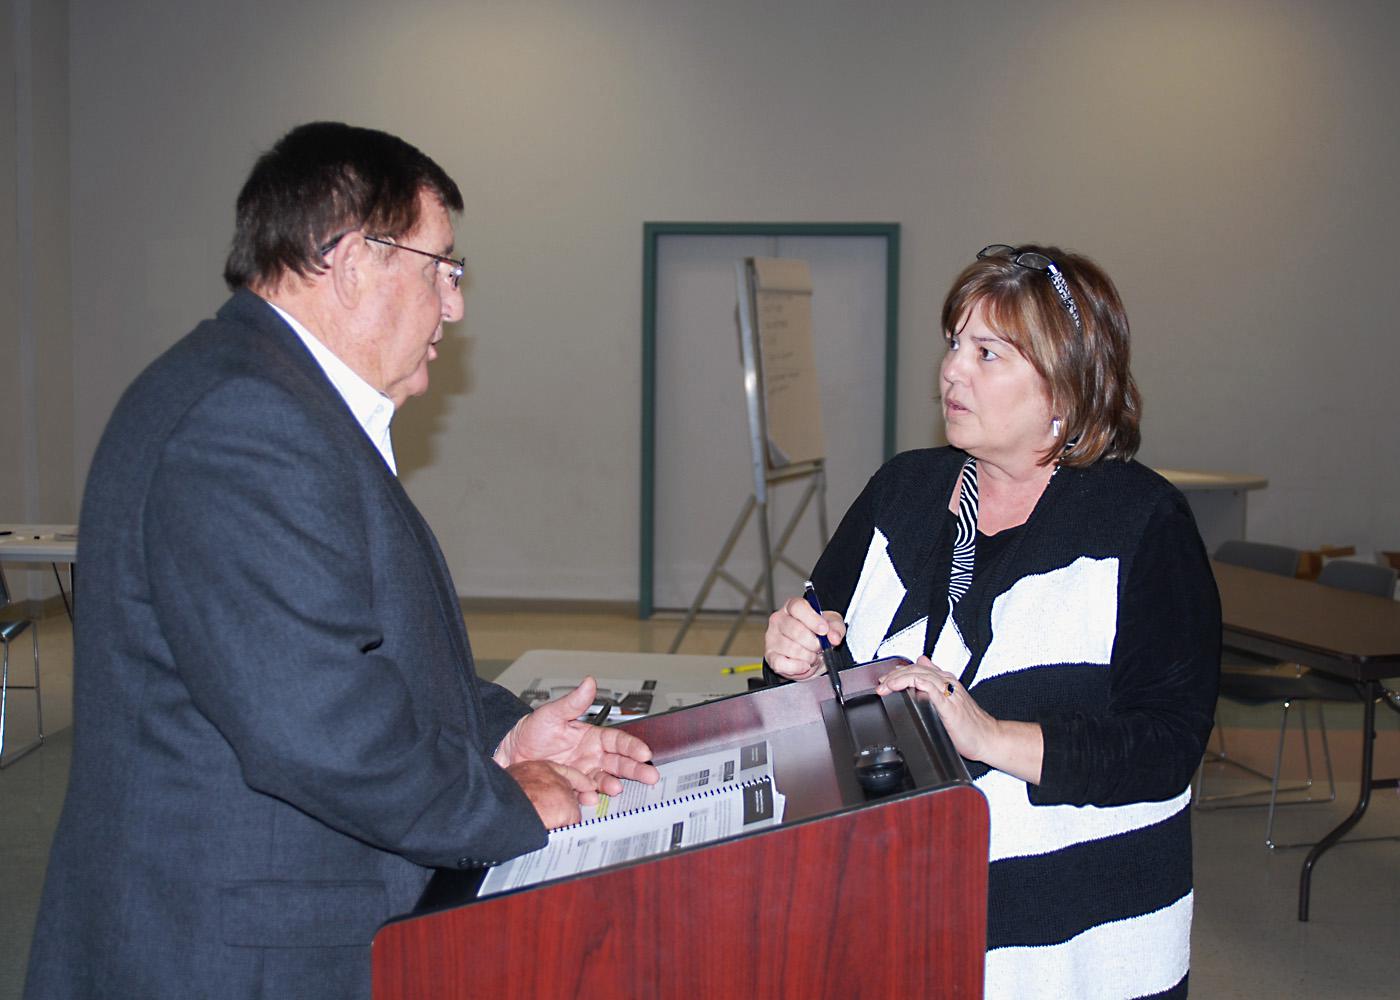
743	668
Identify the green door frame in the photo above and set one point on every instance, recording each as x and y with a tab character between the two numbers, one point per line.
652	232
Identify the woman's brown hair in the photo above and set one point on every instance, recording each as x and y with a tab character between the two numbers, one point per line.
1084	364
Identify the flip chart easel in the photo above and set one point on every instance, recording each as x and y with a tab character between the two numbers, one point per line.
785	429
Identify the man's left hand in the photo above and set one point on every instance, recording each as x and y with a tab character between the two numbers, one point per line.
553	732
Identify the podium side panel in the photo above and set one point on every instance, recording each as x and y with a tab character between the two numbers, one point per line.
887	900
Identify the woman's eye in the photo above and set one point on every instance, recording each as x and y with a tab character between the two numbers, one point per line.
952	343
987	355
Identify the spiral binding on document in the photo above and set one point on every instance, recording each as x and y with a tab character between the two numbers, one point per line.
728	788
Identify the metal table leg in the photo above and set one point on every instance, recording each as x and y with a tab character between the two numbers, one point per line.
1368	742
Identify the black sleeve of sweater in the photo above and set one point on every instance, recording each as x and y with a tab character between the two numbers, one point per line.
1164	675
838	568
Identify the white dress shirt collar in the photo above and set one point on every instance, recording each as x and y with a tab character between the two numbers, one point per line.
372	409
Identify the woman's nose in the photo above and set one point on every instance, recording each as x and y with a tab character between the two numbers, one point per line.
951	369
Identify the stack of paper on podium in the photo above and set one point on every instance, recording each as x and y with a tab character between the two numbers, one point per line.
698	799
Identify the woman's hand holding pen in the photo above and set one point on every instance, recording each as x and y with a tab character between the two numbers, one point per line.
602	755
792	645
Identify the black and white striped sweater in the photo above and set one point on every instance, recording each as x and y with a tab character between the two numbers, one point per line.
1099	620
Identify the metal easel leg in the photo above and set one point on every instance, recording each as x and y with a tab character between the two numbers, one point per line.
716	570
779	555
764	587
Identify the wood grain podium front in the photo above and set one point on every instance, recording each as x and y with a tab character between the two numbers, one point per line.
849	896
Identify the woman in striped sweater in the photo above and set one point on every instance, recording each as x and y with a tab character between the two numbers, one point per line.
1055	594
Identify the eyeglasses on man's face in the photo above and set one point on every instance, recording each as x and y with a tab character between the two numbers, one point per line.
448	268
1031	260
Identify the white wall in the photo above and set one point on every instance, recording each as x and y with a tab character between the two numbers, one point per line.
1229	163
13	425
36	349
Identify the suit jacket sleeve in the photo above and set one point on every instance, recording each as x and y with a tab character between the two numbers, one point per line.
258	540
503	710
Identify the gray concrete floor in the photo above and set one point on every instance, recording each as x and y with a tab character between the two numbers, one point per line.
1246	943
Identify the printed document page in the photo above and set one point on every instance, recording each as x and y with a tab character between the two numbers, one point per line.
687	774
712	796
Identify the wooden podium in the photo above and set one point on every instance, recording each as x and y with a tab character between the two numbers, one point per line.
850	896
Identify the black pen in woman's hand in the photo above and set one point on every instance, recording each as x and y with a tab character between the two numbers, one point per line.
828	655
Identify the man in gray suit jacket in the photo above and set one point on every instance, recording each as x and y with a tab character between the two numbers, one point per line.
278	730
